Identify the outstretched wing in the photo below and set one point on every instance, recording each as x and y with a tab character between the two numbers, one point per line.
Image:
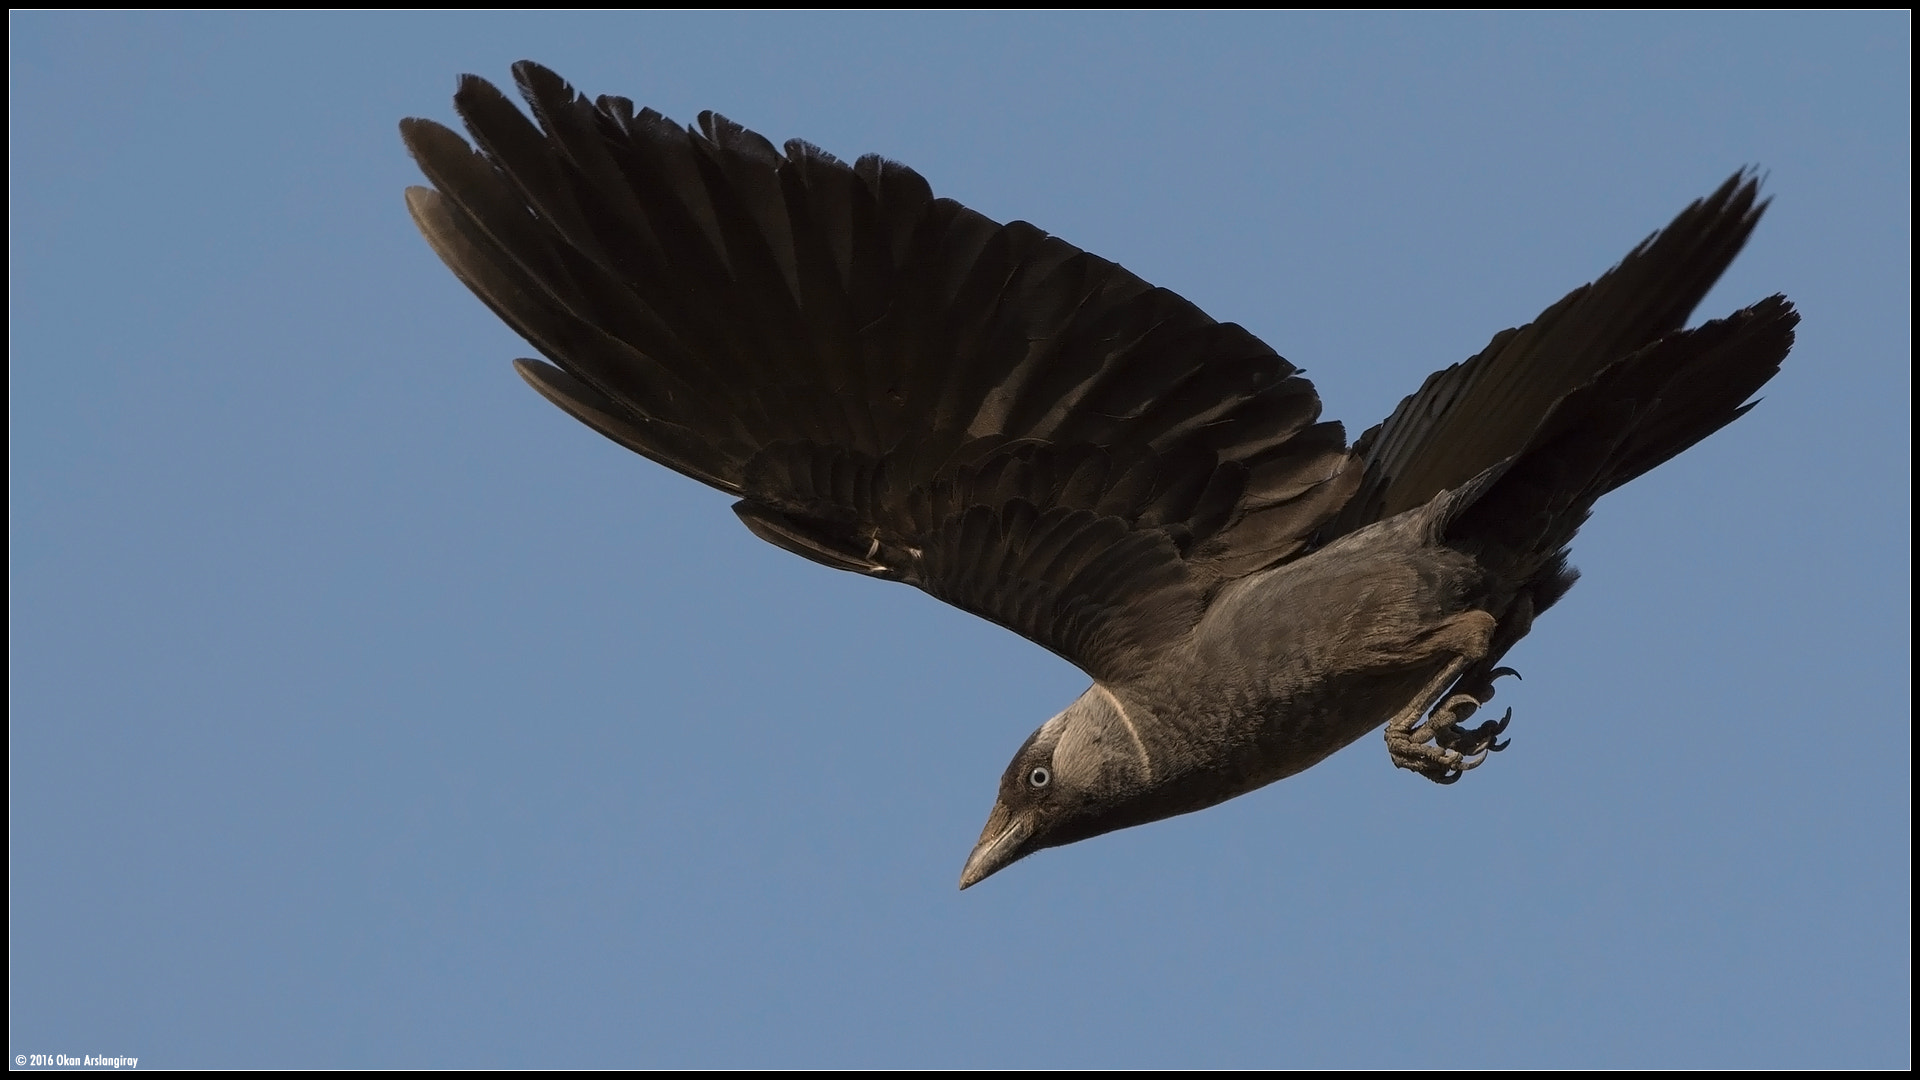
891	383
1484	410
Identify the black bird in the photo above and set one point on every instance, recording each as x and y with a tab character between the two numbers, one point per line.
895	385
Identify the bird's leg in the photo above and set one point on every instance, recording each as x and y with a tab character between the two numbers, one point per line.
1476	689
1438	749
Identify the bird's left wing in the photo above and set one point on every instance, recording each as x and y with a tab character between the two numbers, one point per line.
891	383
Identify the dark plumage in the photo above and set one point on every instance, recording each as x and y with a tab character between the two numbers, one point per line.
895	385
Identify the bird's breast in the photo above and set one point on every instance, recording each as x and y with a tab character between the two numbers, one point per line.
1294	664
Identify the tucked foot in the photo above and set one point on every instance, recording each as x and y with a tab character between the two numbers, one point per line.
1440	749
1447	716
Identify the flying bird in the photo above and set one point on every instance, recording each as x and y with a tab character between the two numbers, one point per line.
894	385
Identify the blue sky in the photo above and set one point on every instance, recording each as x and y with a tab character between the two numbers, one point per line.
366	710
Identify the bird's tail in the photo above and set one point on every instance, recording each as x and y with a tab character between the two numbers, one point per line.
1519	516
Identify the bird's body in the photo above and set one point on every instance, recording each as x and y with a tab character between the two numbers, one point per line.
894	385
1287	667
1323	650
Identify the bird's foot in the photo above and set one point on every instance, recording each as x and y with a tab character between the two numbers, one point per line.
1440	749
1465	701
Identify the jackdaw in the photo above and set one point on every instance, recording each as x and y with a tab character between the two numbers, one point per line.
895	385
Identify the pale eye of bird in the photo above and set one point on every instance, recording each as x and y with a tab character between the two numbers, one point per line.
1040	777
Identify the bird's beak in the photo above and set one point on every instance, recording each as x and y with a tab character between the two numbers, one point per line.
1001	842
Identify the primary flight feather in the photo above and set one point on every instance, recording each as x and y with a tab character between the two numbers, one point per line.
895	385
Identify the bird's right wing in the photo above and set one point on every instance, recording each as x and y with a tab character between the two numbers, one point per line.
1477	413
891	383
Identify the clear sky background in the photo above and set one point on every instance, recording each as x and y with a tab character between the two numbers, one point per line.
367	710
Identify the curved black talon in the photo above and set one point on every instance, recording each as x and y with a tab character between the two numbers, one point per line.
1483	739
1439	748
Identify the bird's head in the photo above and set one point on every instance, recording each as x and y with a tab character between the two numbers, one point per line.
1085	772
